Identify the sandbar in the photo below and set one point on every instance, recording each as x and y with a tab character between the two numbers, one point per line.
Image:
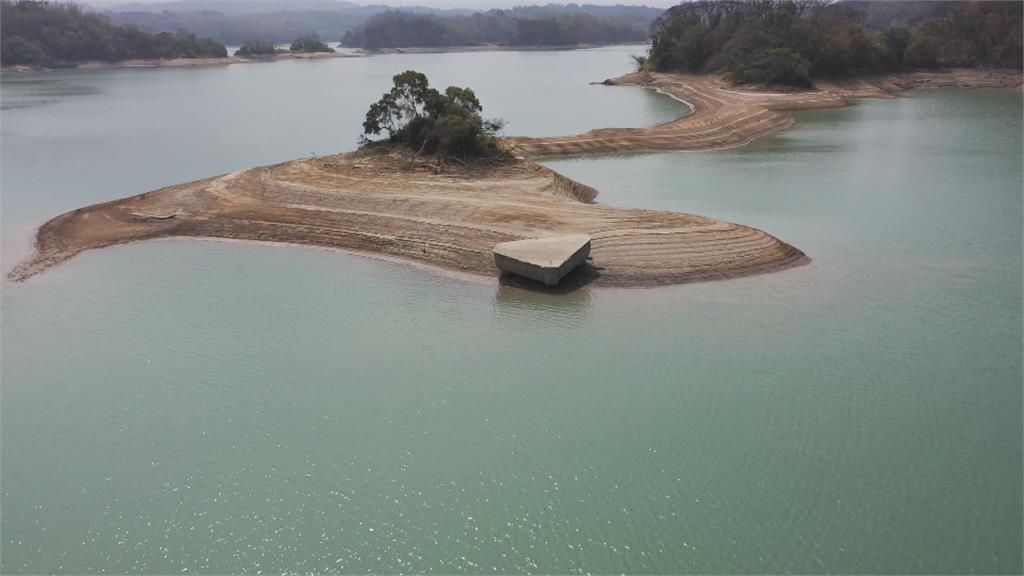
725	116
389	204
394	205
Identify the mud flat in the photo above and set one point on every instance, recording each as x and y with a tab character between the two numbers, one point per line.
453	217
725	116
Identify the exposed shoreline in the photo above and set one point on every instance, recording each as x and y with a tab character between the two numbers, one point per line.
490	48
451	218
725	116
184	62
388	205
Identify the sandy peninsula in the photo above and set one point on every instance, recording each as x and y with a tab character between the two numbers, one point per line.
725	116
386	204
389	204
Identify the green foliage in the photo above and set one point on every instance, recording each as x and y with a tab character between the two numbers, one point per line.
416	116
640	60
52	34
309	44
401	30
252	22
541	32
773	66
681	42
519	27
17	50
257	49
231	28
818	38
892	48
972	34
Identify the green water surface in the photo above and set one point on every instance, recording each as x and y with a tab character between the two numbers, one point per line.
192	406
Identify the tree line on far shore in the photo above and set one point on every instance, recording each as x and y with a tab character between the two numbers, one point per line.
37	33
40	33
258	22
791	42
520	27
52	33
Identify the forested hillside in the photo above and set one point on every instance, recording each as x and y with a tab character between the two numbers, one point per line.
238	28
57	34
277	22
792	42
524	26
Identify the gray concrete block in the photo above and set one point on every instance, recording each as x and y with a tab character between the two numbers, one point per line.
546	260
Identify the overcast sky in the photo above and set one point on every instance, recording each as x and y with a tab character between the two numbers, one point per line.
481	4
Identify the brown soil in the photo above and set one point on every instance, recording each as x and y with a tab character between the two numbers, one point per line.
452	217
724	116
389	205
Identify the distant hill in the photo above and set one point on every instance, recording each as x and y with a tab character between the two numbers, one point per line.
60	34
523	26
229	7
236	29
278	21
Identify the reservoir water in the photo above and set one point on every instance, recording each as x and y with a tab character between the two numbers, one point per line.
209	407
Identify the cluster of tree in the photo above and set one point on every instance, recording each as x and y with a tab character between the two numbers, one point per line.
402	29
55	34
793	41
879	15
304	44
236	7
642	15
277	21
257	49
234	29
415	116
310	44
970	34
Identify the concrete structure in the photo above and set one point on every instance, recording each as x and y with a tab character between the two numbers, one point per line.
545	260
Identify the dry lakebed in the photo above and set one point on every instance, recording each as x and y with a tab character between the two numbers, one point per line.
452	216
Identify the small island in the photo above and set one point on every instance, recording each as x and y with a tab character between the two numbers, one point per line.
307	45
438	187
